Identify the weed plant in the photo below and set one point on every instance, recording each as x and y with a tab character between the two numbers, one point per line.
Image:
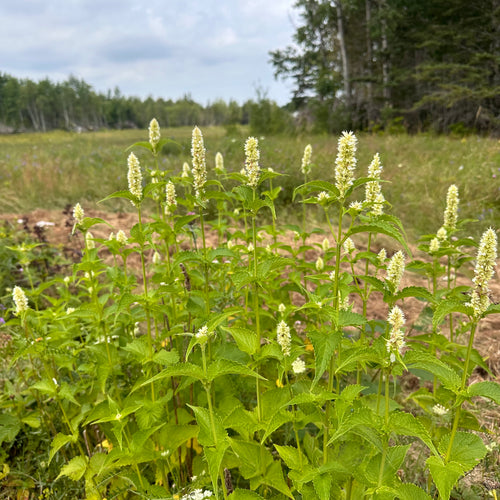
234	364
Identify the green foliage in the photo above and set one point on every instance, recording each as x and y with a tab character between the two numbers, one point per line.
211	353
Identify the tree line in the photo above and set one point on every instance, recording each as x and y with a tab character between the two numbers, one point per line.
74	105
417	65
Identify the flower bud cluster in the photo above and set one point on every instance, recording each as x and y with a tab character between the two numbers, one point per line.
483	272
134	177
306	160
373	191
345	162
252	156
199	163
395	270
396	341
284	338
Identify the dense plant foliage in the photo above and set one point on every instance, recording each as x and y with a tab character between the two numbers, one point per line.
207	356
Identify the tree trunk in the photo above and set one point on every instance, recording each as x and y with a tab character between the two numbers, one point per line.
369	63
343	53
386	91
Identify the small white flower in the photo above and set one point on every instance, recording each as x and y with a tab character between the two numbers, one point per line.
440	410
299	366
250	248
282	308
70	310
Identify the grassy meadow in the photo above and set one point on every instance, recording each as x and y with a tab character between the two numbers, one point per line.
59	168
231	342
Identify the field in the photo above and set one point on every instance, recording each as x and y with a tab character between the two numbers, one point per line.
253	334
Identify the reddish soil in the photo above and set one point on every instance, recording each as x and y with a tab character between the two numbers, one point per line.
487	337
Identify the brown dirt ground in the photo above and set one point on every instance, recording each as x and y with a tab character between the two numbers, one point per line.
487	337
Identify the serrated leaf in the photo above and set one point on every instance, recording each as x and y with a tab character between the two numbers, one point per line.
444	475
166	358
246	339
324	344
214	457
486	389
405	424
309	187
242	278
280	418
9	427
174	435
381	227
58	442
348	318
222	367
239	494
75	468
177	370
322	485
467	449
205	421
415	291
409	491
446	307
274	478
120	194
291	456
446	375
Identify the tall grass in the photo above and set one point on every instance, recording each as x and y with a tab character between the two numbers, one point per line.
54	169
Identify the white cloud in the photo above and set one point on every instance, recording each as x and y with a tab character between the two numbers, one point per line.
209	48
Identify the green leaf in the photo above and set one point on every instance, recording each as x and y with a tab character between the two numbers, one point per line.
214	457
447	376
139	348
322	485
487	389
217	319
120	194
291	456
409	491
444	475
348	318
306	189
394	458
88	222
9	427
324	344
58	442
242	278
446	307
177	370
274	478
239	494
45	387
415	291
75	468
275	422
247	340
405	424
222	367
174	435
467	450
166	358
381	227
206	436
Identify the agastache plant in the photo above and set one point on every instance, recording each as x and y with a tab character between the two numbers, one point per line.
252	156
345	163
199	169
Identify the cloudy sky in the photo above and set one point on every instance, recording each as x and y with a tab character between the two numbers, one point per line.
165	48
